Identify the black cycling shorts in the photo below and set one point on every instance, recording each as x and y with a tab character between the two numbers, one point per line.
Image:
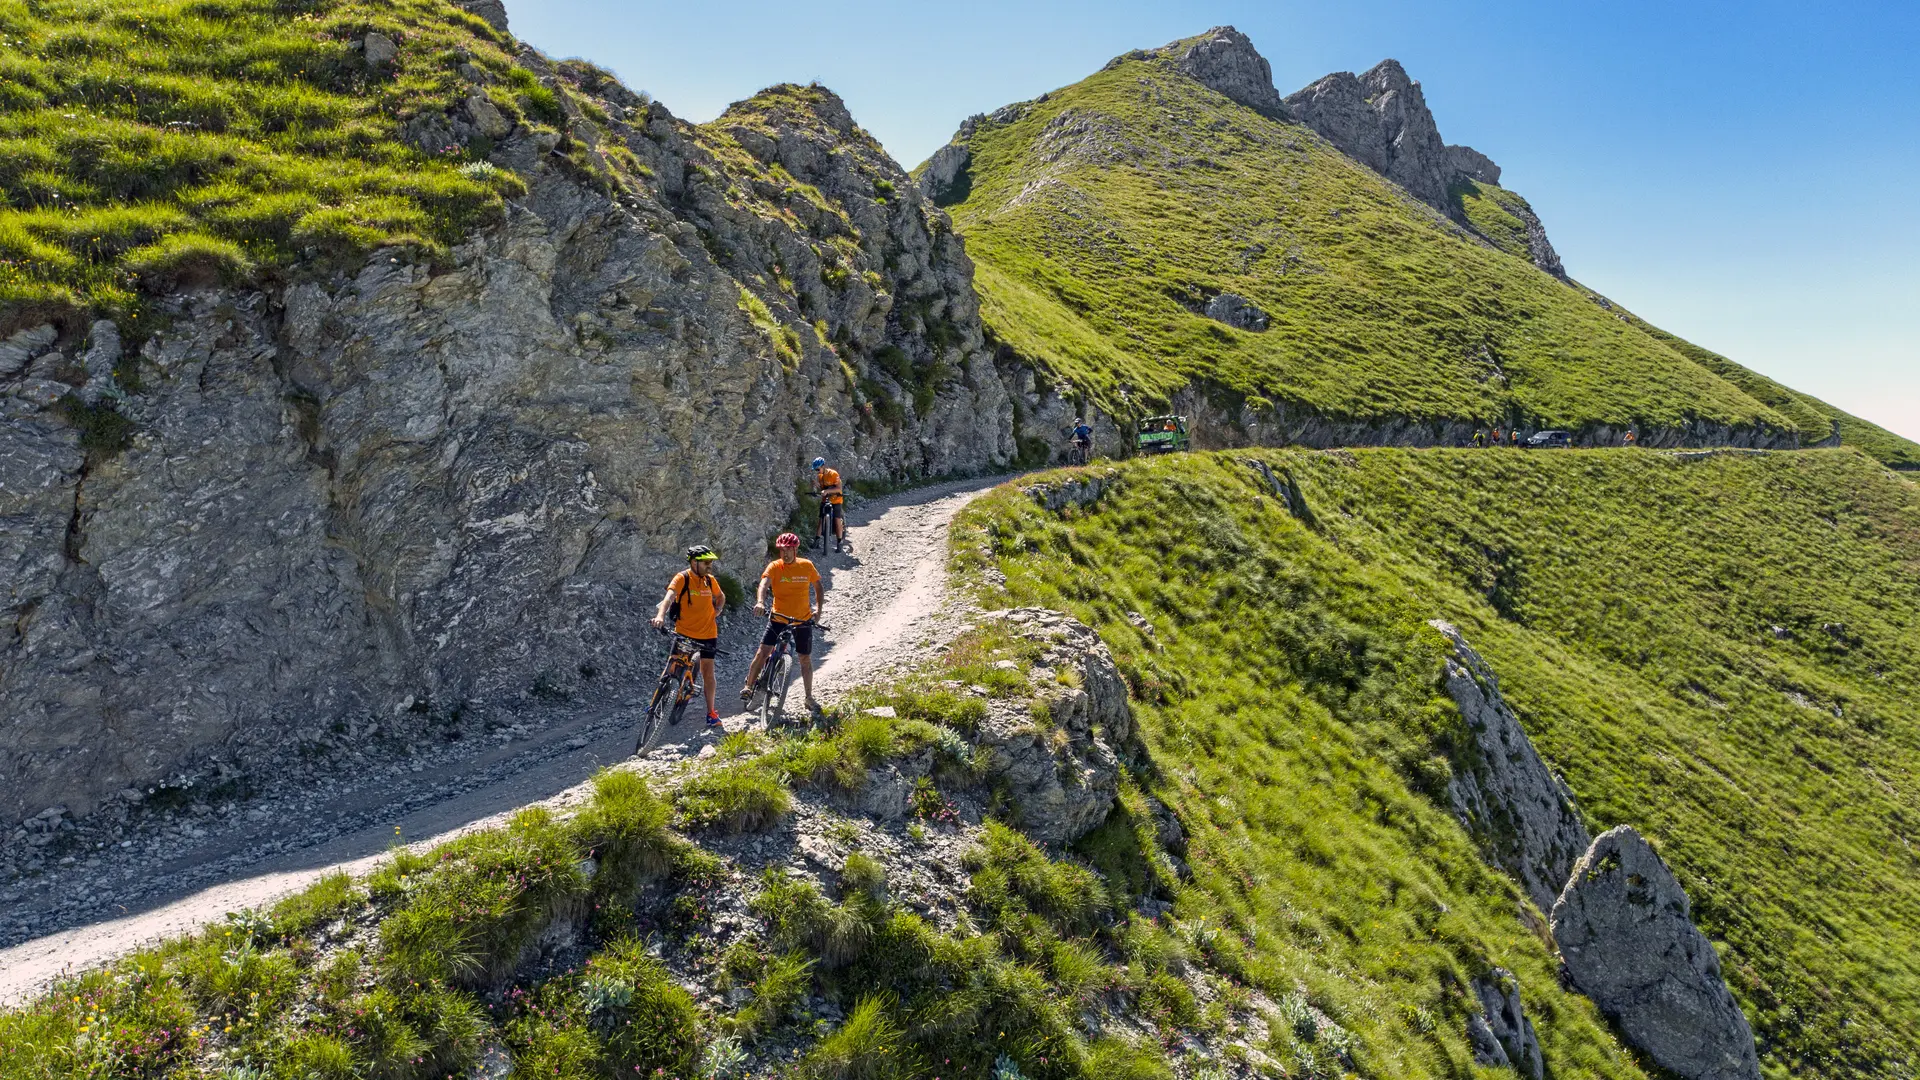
831	510
705	648
802	636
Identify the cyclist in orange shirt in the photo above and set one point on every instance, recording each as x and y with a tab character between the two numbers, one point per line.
826	485
696	594
798	599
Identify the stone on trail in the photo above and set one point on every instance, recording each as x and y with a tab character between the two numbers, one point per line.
1626	935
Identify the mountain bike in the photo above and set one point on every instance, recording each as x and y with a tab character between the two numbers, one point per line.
776	676
669	704
1078	453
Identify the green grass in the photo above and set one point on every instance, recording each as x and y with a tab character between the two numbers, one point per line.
1628	600
1101	219
143	142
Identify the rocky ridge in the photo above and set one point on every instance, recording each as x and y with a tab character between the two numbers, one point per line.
415	492
1520	812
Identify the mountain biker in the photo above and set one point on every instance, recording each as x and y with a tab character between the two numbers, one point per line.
696	591
826	485
1083	439
798	599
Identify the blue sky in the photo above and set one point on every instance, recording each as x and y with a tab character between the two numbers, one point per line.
1740	173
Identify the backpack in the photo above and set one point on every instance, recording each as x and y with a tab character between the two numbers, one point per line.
683	581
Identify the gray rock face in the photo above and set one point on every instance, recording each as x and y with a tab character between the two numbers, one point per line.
945	179
103	352
1502	1035
1063	787
439	485
1472	164
1237	312
493	11
1520	813
1224	59
1625	931
1539	248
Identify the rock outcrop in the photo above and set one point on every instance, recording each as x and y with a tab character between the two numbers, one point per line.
1061	772
1520	813
410	491
1224	59
1237	312
1501	1034
1626	935
1381	120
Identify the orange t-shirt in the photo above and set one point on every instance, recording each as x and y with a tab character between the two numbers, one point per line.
699	607
791	585
829	481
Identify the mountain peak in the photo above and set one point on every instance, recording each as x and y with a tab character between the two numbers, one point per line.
1388	75
1222	59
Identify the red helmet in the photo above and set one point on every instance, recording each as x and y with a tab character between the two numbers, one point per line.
787	540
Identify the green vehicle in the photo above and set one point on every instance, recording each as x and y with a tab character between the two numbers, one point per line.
1161	435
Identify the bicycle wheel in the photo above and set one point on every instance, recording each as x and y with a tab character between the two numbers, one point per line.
653	722
773	690
680	699
777	693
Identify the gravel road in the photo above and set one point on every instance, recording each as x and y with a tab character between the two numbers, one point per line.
175	871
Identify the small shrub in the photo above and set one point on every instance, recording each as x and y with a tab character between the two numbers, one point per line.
736	798
322	902
723	1059
624	826
863	879
782	984
871	1045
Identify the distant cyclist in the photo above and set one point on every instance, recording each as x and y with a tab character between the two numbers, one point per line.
798	599
1082	441
696	595
833	499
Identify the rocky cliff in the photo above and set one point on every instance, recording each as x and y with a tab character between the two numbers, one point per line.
1381	120
421	488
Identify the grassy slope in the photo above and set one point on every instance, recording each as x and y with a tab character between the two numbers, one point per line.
1088	240
1627	600
143	138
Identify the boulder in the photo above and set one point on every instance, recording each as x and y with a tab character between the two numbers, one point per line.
1061	772
493	12
1626	936
1520	813
487	118
379	50
1237	312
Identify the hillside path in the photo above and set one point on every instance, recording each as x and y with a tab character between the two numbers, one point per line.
887	603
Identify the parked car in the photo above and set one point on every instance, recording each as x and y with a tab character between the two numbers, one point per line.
1547	440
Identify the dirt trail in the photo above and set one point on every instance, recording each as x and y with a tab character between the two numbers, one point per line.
887	603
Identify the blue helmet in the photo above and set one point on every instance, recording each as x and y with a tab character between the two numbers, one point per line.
819	463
